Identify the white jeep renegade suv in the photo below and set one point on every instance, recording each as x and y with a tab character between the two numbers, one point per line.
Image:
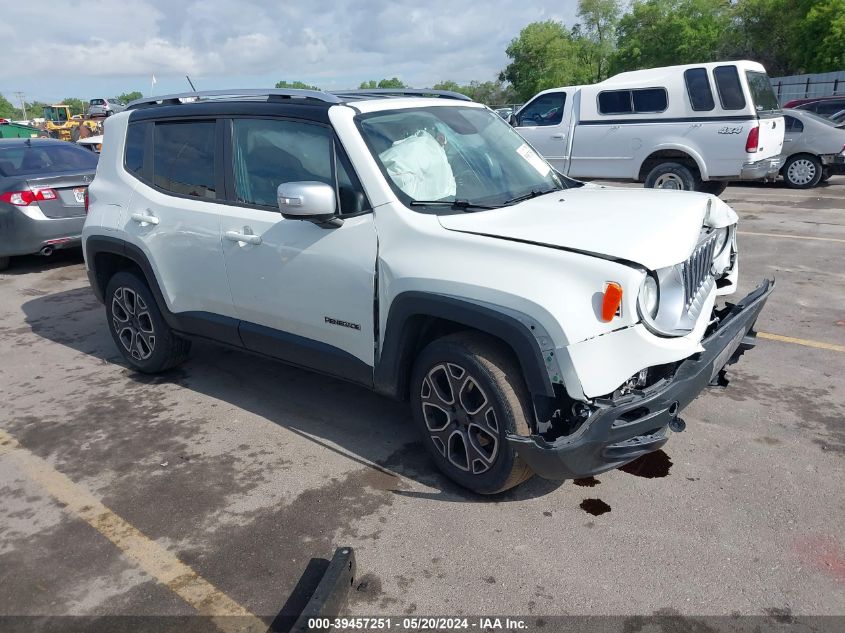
412	242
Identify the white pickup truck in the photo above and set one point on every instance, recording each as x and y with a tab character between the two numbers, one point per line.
693	127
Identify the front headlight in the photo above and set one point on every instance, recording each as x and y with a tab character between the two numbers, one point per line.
649	296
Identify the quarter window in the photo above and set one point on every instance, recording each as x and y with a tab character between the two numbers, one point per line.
134	151
546	109
183	158
699	90
793	125
644	100
729	87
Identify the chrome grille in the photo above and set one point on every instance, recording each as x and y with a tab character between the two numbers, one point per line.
697	270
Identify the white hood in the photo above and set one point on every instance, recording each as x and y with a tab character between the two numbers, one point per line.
653	228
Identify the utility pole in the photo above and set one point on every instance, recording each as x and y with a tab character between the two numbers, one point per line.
19	95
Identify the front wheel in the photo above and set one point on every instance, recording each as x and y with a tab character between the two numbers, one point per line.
138	328
672	175
467	395
802	171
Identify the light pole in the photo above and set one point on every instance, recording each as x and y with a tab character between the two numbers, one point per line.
19	95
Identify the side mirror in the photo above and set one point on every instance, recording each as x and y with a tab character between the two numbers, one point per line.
513	120
307	200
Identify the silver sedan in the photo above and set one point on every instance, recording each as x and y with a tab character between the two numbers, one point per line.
814	148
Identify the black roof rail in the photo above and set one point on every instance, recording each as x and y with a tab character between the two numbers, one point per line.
177	98
363	93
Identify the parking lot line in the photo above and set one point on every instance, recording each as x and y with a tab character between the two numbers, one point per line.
794	237
228	615
801	341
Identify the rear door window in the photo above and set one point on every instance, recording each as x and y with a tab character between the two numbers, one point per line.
183	158
699	90
729	87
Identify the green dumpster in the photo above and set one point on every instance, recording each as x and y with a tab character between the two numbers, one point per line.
15	130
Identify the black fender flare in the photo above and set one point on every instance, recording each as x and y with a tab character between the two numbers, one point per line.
393	365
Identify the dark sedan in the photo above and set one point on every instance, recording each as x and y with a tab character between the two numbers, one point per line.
43	184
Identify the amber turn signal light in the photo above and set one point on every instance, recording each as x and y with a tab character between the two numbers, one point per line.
611	302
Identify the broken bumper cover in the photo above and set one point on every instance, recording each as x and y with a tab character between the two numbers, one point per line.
624	428
766	168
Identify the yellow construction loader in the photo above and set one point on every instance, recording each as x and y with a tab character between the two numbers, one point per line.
59	123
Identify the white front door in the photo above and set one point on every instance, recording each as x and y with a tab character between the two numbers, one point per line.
304	292
544	123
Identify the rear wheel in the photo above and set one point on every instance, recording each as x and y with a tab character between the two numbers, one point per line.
138	328
467	395
802	171
672	175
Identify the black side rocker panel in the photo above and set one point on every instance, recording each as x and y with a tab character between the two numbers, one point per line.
288	348
393	366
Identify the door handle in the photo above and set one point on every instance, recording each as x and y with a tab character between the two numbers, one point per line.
249	238
559	136
145	218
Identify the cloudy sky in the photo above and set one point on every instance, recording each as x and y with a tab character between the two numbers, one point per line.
54	49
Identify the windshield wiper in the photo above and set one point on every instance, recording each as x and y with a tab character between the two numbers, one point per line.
455	204
529	195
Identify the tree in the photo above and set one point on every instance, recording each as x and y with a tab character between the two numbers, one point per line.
126	97
395	82
487	92
819	36
295	85
596	34
7	110
545	55
666	32
77	106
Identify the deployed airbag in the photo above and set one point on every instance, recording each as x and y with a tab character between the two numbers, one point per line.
419	167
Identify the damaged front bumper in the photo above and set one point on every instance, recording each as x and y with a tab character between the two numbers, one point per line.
624	428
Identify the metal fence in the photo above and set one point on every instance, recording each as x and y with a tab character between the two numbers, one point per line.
806	86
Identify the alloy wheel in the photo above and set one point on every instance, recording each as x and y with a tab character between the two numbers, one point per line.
460	418
132	323
801	171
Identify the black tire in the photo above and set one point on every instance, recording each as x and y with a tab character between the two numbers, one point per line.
715	187
802	171
137	327
4	263
481	457
665	175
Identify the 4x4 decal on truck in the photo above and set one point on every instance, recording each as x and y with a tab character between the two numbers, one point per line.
730	130
353	326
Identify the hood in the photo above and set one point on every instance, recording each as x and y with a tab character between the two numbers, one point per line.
653	228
